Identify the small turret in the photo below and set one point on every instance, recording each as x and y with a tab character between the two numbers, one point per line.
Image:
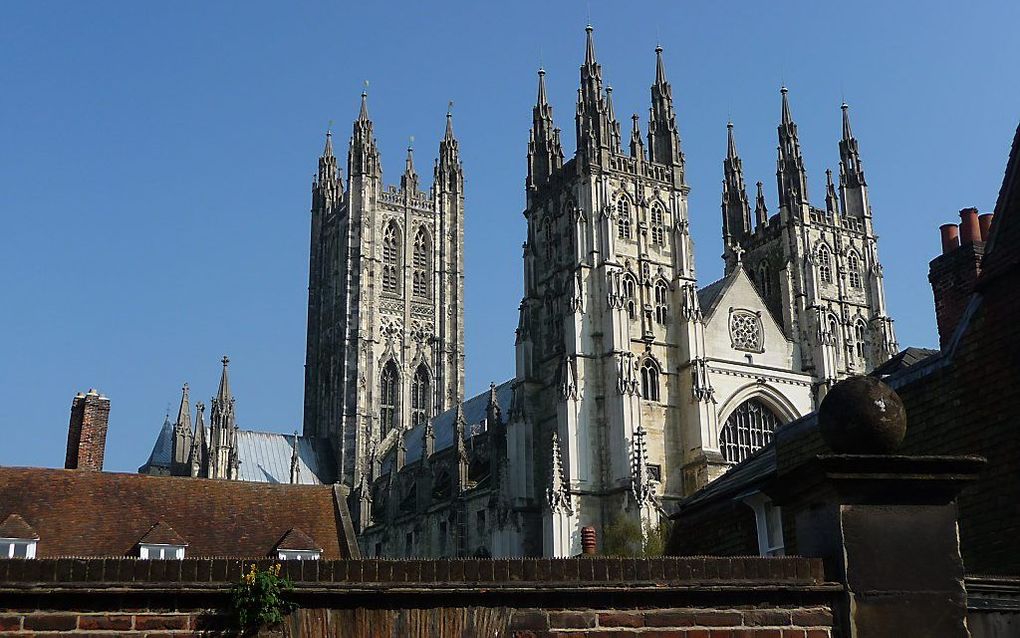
852	184
295	465
409	180
663	138
327	189
223	461
597	131
790	174
761	211
736	211
831	201
545	153
637	147
182	435
199	445
363	156
449	173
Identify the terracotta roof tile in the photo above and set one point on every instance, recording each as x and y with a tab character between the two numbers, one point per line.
162	534
105	514
296	539
15	527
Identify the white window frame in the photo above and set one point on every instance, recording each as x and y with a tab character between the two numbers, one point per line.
160	551
8	545
298	554
768	519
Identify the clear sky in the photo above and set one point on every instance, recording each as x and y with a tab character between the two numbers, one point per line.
157	158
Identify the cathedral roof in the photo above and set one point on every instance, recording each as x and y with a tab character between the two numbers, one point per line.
79	513
445	424
710	294
903	359
265	457
162	450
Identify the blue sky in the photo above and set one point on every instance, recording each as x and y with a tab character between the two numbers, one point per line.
157	160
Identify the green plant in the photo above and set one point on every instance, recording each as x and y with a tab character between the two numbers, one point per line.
257	600
624	536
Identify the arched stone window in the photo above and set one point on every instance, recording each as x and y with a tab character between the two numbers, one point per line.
661	302
623	220
658	230
853	263
825	264
550	241
860	336
421	387
422	277
391	268
748	429
389	397
763	276
650	380
630	296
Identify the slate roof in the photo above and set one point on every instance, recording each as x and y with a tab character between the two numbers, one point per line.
740	479
163	449
80	513
903	359
446	423
708	295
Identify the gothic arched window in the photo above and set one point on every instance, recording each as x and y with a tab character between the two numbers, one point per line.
825	264
623	221
391	259
661	302
860	335
748	429
389	396
854	267
420	395
630	296
550	242
422	277
658	226
763	275
650	380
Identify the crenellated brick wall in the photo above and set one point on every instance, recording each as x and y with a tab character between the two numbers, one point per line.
593	597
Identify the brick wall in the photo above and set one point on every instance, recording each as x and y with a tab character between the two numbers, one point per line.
594	597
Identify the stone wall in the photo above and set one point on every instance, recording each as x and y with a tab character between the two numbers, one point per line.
595	597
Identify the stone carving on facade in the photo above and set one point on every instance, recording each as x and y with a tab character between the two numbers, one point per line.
557	493
746	330
701	386
642	486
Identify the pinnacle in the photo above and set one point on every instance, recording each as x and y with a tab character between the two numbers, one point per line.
731	145
589	51
847	133
787	115
660	67
363	114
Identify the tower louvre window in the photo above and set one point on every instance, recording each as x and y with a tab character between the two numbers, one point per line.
388	397
630	296
661	302
854	268
650	380
658	231
623	221
860	335
825	264
422	277
748	429
391	259
420	394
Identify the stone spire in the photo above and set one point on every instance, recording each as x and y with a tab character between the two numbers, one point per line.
557	493
449	173
736	211
851	172
663	138
596	129
199	446
641	485
791	175
637	147
545	154
223	430
493	414
295	465
182	433
327	190
761	212
409	180
831	201
363	156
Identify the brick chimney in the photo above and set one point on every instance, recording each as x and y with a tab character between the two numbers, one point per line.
86	435
953	273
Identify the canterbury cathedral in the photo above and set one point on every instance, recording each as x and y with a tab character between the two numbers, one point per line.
635	384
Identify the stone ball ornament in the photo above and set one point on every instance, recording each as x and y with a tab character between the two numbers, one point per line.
862	415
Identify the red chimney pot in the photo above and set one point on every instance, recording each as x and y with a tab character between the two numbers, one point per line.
970	229
588	540
950	237
985	221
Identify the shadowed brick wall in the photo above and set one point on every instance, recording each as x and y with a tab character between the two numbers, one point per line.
537	598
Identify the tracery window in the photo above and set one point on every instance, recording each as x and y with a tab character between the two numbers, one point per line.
860	334
630	296
825	264
391	259
854	268
422	276
389	394
746	331
623	221
420	395
650	380
661	302
658	230
748	429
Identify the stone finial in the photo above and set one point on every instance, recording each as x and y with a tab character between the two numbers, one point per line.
862	415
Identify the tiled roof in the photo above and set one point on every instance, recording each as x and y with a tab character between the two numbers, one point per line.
296	539
903	359
105	514
15	527
162	534
708	295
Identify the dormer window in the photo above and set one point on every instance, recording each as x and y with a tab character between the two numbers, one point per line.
17	538
154	551
161	542
296	545
769	523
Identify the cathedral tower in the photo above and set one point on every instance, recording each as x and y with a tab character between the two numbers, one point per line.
608	324
385	345
816	268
